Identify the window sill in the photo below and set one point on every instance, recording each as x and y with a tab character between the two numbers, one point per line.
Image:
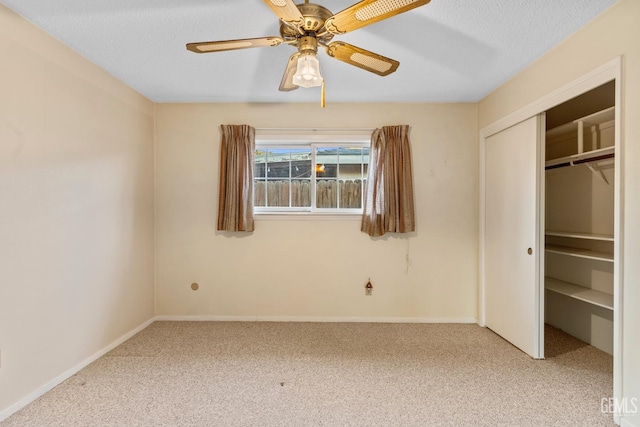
306	216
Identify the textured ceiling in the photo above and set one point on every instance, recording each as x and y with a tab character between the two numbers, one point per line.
449	50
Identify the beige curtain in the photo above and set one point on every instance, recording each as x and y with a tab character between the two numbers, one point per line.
388	203
235	199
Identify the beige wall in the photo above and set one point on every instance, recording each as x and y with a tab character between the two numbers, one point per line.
317	268
76	209
614	33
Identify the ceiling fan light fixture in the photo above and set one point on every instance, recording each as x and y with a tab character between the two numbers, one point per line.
308	71
306	26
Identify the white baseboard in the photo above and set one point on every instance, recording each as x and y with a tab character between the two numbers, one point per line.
179	318
70	372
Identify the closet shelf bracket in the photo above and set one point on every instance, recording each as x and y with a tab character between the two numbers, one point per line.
598	173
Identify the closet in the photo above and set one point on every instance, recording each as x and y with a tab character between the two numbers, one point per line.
579	217
551	219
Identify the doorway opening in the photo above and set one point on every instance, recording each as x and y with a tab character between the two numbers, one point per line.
580	201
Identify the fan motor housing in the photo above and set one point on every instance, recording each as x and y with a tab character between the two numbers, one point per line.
314	19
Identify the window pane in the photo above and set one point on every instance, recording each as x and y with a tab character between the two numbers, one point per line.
259	192
278	163
365	161
278	193
326	193
350	174
350	163
301	193
350	194
260	163
301	163
326	162
349	170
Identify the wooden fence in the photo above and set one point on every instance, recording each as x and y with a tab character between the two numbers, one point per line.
276	193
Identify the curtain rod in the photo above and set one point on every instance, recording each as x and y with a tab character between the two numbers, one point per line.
319	129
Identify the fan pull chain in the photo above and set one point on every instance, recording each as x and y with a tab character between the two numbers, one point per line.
322	97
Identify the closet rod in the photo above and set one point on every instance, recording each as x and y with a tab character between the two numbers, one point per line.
581	161
594	159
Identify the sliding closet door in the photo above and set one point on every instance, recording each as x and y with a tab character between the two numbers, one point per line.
512	244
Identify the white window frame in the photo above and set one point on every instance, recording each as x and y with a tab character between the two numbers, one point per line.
312	139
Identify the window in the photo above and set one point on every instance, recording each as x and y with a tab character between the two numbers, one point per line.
318	177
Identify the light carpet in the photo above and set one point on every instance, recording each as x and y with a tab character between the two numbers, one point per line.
329	374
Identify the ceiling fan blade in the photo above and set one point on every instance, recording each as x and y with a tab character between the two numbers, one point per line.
368	12
361	58
219	46
286	10
286	85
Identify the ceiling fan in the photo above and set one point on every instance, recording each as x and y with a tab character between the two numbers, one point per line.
307	26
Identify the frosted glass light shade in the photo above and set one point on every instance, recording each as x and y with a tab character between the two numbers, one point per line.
308	72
